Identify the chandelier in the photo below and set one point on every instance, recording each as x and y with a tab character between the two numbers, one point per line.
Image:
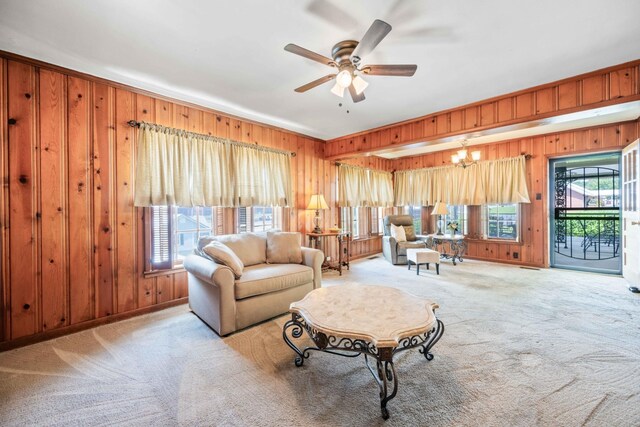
461	159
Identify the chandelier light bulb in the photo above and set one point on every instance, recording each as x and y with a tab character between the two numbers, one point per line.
475	156
359	84
462	154
455	159
344	78
338	90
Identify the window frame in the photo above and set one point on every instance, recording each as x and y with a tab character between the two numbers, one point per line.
485	223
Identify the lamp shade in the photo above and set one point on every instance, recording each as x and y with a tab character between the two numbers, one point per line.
317	202
439	208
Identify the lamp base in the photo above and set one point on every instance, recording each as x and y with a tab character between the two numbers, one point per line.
439	224
316	222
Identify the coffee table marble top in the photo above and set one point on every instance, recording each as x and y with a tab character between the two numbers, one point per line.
377	314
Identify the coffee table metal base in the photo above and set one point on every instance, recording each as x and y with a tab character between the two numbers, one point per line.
383	372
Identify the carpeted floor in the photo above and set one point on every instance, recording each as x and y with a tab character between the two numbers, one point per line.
521	348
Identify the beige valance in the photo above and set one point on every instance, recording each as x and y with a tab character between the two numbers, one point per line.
489	181
361	187
174	167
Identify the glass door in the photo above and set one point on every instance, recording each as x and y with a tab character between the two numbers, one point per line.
585	213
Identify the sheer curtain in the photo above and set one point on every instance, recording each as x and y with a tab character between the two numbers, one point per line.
175	167
489	181
360	187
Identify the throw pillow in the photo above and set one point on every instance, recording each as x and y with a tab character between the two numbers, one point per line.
283	248
397	232
222	254
410	233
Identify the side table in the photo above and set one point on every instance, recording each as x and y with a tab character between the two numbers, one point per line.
438	242
320	241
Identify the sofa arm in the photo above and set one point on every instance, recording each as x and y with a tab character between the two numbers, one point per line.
314	259
389	249
209	271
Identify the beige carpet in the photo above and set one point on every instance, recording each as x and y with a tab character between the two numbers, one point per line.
521	347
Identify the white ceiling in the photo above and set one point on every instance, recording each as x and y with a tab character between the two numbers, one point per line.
228	55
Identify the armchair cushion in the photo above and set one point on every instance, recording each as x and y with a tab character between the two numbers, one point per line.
222	254
410	232
397	232
250	248
283	248
266	278
403	246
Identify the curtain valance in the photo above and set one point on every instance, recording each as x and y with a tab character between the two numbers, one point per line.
175	167
489	181
360	187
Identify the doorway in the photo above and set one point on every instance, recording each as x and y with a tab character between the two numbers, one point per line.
585	213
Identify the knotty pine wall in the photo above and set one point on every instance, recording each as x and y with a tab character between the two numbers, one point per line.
534	246
72	243
612	85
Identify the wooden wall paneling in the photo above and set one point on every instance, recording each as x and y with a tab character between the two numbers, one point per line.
524	105
79	190
621	83
505	109
53	193
442	123
103	200
593	89
5	303
568	95
545	100
628	133
146	286
164	288
180	284
163	113
429	128
488	113
125	235
471	119
455	121
23	177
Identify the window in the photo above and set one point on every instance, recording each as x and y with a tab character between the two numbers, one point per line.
501	221
362	222
416	213
258	218
175	230
457	214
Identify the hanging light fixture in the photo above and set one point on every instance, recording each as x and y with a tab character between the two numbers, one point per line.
359	84
461	159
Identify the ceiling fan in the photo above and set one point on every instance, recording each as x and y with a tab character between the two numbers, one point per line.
346	56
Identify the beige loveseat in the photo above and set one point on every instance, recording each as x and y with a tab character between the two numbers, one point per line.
263	291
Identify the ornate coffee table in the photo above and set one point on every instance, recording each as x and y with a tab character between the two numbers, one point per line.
376	321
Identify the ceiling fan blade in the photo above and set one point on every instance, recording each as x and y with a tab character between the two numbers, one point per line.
315	83
293	48
354	95
405	70
374	35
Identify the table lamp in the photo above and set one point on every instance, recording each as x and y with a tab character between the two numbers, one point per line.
439	209
316	203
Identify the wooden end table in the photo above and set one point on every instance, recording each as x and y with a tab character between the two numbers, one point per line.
319	241
349	320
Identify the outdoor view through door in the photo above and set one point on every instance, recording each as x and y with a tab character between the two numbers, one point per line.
585	210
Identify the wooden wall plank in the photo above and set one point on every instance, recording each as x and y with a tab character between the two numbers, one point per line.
53	193
103	200
79	186
126	236
23	177
5	302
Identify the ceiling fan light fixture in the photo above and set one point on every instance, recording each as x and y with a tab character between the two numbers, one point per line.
344	78
359	84
338	90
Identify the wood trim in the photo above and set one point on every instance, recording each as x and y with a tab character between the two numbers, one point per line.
630	64
44	336
73	73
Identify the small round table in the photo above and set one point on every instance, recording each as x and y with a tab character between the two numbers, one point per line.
375	321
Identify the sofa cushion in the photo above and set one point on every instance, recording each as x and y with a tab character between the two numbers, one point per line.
397	232
264	278
403	246
283	248
250	248
222	254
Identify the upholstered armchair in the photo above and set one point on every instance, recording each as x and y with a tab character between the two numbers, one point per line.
396	252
